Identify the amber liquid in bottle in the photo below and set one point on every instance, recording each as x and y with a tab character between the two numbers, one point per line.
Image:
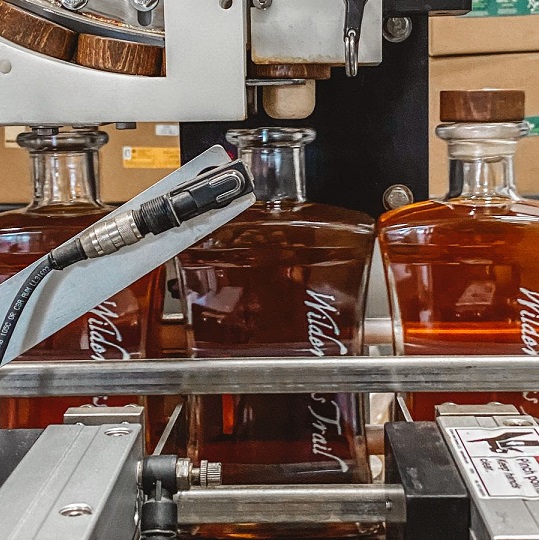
64	169
285	278
462	272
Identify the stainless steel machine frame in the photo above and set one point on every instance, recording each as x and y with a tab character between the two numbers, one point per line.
59	478
206	69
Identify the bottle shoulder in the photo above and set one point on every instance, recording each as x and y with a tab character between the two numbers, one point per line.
27	231
288	211
266	227
461	212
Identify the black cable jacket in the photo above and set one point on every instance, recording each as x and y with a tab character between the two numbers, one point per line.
19	303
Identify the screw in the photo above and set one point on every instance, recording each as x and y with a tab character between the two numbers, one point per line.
144	5
397	29
76	510
117	432
5	66
396	196
262	4
74	5
225	4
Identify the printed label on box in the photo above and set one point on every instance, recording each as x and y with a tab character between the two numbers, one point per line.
147	157
503	8
500	462
167	130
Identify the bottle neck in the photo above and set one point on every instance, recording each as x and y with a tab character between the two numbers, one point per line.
481	161
482	178
64	169
279	172
65	178
276	158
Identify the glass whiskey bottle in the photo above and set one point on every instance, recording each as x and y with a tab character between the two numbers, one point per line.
64	170
285	278
462	272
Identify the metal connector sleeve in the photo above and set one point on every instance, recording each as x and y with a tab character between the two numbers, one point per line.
109	236
210	474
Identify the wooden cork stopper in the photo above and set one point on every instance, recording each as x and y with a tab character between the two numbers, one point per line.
290	71
35	33
118	56
482	106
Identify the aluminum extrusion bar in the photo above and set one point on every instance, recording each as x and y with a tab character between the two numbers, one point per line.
293	504
75	483
271	375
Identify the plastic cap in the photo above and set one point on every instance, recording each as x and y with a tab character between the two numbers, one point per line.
482	105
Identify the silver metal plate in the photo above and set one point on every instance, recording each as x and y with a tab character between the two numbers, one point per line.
66	295
312	31
70	467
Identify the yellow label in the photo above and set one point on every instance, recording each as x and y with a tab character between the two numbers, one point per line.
150	157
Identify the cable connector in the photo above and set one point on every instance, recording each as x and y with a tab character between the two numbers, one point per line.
215	189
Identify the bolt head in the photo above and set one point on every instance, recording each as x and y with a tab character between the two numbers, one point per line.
74	5
397	29
5	66
262	4
144	5
396	196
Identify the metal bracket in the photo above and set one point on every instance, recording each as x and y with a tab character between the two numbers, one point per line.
75	483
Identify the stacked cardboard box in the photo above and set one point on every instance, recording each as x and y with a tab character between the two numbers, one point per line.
131	161
496	46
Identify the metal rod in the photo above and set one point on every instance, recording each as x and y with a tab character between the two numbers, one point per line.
378	331
293	504
271	375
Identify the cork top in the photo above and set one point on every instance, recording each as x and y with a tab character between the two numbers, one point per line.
482	105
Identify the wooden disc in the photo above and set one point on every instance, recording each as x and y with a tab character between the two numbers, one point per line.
482	106
290	71
118	56
35	33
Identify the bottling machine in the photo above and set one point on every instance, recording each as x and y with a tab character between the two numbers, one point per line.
252	63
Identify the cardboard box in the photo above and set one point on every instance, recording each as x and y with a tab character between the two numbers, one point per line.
131	161
450	36
511	71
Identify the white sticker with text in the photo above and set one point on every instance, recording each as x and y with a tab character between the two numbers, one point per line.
501	462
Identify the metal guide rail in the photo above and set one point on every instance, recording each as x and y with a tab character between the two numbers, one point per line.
271	375
53	489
